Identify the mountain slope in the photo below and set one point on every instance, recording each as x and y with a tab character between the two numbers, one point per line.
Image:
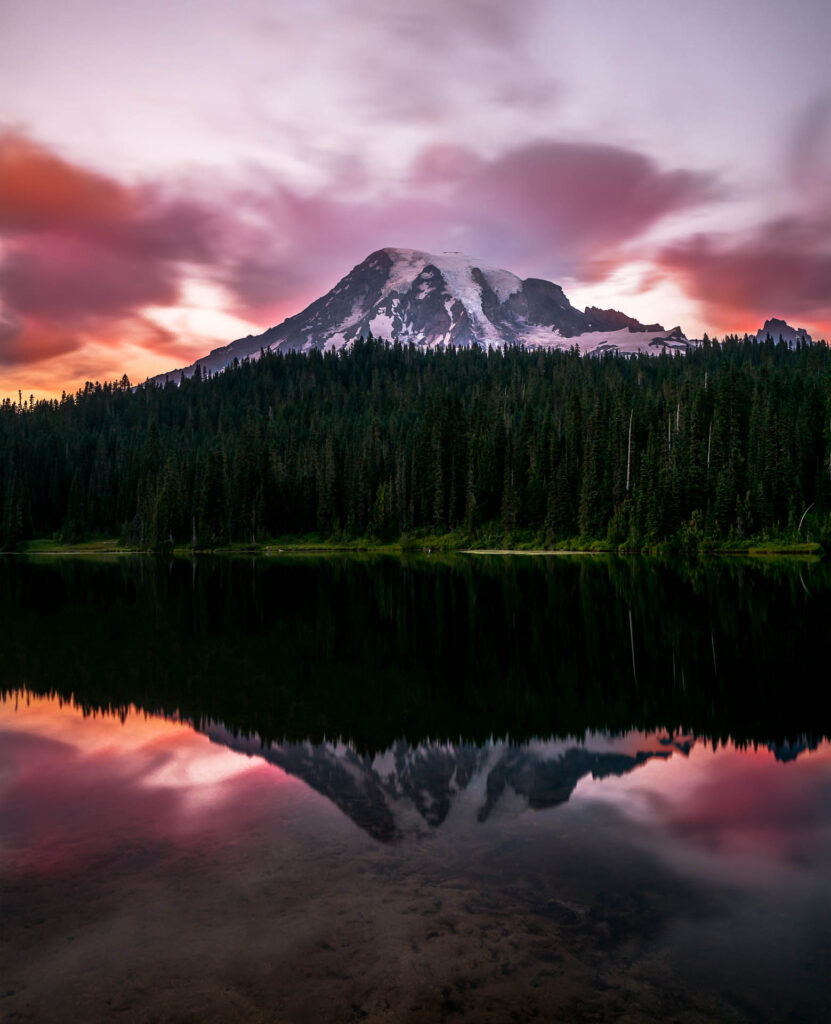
449	299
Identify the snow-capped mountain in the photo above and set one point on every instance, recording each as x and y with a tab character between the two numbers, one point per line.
780	330
409	789
446	299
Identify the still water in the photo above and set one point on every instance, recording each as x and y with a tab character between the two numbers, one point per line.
480	788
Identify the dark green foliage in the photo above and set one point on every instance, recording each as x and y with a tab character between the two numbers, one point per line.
728	441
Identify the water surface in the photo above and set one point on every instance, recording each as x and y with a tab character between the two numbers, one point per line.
380	789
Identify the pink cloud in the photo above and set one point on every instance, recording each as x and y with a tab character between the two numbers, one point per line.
64	278
573	205
34	343
782	269
563	208
57	791
85	255
782	266
744	799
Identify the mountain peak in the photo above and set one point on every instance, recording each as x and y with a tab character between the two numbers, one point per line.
456	267
449	298
776	329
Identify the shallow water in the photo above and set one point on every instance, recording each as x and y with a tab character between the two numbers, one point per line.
346	789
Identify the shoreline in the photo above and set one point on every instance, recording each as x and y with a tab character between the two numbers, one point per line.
812	551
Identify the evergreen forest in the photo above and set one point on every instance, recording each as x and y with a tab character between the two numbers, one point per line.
727	444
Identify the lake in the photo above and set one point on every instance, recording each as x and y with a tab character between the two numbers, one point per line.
351	788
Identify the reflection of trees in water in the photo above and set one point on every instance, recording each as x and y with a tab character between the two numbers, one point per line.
379	648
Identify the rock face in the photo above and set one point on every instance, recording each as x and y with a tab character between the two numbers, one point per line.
612	320
779	329
427	300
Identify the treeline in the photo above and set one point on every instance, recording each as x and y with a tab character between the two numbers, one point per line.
731	440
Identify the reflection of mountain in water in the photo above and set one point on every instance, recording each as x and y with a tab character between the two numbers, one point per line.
545	783
790	750
397	792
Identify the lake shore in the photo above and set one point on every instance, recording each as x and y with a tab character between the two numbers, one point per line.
429	547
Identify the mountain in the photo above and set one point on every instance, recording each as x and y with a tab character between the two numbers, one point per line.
407	788
780	330
447	299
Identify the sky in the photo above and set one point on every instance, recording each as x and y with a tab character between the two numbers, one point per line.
176	176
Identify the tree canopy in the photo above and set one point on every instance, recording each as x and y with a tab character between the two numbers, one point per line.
383	441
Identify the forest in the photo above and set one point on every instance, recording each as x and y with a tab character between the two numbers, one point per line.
728	443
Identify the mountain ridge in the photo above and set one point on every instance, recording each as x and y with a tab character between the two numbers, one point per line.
428	299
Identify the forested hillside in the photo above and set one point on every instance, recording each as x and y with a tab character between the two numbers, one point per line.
730	441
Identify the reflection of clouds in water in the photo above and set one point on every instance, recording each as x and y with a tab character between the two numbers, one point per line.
167	752
196	770
733	812
102	776
730	804
75	787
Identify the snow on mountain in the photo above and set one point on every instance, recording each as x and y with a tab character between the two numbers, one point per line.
780	330
428	299
626	340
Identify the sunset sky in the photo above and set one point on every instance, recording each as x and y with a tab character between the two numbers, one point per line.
175	176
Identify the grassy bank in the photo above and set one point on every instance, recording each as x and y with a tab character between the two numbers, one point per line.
445	543
45	546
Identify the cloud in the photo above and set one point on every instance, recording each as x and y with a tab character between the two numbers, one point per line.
40	191
84	256
64	774
809	154
66	278
743	799
392	65
26	344
571	206
782	268
554	208
83	253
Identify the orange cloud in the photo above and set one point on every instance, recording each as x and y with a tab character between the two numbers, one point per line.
781	269
40	191
64	773
82	256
